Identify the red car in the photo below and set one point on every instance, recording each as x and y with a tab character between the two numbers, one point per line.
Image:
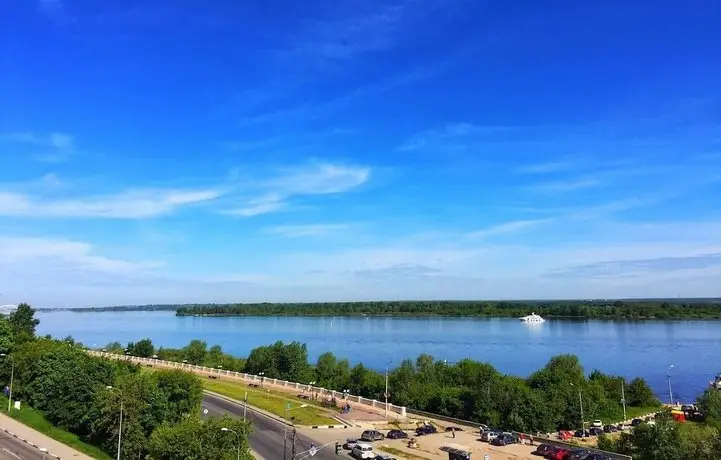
558	454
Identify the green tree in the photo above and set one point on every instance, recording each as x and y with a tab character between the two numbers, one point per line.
325	370
6	336
183	392
195	352
200	440
710	404
23	323
638	393
144	348
661	440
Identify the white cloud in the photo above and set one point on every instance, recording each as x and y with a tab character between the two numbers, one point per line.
304	230
507	227
314	179
125	205
60	145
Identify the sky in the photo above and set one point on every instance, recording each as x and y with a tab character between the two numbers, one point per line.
222	151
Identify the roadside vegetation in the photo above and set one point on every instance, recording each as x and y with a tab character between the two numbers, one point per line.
631	310
76	399
545	401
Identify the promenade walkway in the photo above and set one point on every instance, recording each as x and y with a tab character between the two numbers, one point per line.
55	449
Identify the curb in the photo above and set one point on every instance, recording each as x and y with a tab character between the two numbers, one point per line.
318	427
250	408
50	454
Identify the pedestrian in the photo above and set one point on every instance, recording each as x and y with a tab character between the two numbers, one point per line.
454	433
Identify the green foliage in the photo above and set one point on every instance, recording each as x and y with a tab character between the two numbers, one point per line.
661	440
281	361
114	347
570	309
23	323
195	352
198	439
6	336
143	348
638	393
710	404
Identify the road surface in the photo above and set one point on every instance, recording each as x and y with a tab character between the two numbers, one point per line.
12	448
267	436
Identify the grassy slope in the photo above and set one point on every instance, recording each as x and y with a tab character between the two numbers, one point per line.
272	402
35	420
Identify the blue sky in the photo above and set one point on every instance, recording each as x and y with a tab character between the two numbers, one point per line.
179	151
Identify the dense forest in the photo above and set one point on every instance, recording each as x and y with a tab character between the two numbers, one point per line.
82	394
619	309
470	390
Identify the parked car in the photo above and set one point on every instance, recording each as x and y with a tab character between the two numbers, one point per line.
565	435
558	454
350	443
384	457
397	434
482	428
425	429
543	449
453	428
372	435
577	454
489	435
581	434
597	424
610	429
595	456
362	451
595	431
503	440
636	422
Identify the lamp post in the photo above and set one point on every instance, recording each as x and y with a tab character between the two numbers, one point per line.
261	374
623	398
386	393
120	423
580	402
12	376
285	427
228	430
43	450
670	393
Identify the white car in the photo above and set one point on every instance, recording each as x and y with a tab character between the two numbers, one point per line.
362	451
597	424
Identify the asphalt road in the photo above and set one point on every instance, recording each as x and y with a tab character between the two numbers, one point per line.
14	449
267	436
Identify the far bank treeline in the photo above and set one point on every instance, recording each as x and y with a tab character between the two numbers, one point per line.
618	309
545	401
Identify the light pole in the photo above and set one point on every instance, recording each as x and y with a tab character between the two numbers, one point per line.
285	427
12	376
580	402
236	434
43	450
261	374
120	423
386	393
670	393
623	398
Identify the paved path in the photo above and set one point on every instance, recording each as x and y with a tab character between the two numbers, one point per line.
54	447
266	440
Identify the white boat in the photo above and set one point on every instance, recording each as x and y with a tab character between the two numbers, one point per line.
7	309
532	318
716	383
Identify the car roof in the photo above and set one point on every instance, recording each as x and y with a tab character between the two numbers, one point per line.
363	445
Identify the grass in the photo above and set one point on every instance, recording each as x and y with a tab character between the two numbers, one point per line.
631	413
402	454
271	402
35	420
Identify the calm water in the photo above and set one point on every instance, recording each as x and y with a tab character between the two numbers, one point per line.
629	349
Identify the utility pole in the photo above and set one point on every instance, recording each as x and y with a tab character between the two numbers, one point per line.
623	398
386	393
580	400
670	393
245	405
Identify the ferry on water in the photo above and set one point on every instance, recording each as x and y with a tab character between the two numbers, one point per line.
716	383
532	318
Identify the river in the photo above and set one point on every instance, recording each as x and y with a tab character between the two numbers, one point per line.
630	349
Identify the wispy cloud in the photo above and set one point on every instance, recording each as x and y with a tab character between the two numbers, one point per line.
60	146
507	227
450	135
549	167
136	204
313	179
305	230
565	185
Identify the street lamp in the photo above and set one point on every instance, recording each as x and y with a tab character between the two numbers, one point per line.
12	375
670	393
261	374
228	430
285	427
580	402
623	398
43	450
120	423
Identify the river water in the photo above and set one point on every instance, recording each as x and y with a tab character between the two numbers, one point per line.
629	349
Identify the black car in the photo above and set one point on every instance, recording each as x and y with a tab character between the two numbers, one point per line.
425	429
610	429
543	450
384	457
372	435
397	434
503	440
595	431
578	454
595	456
636	422
581	434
